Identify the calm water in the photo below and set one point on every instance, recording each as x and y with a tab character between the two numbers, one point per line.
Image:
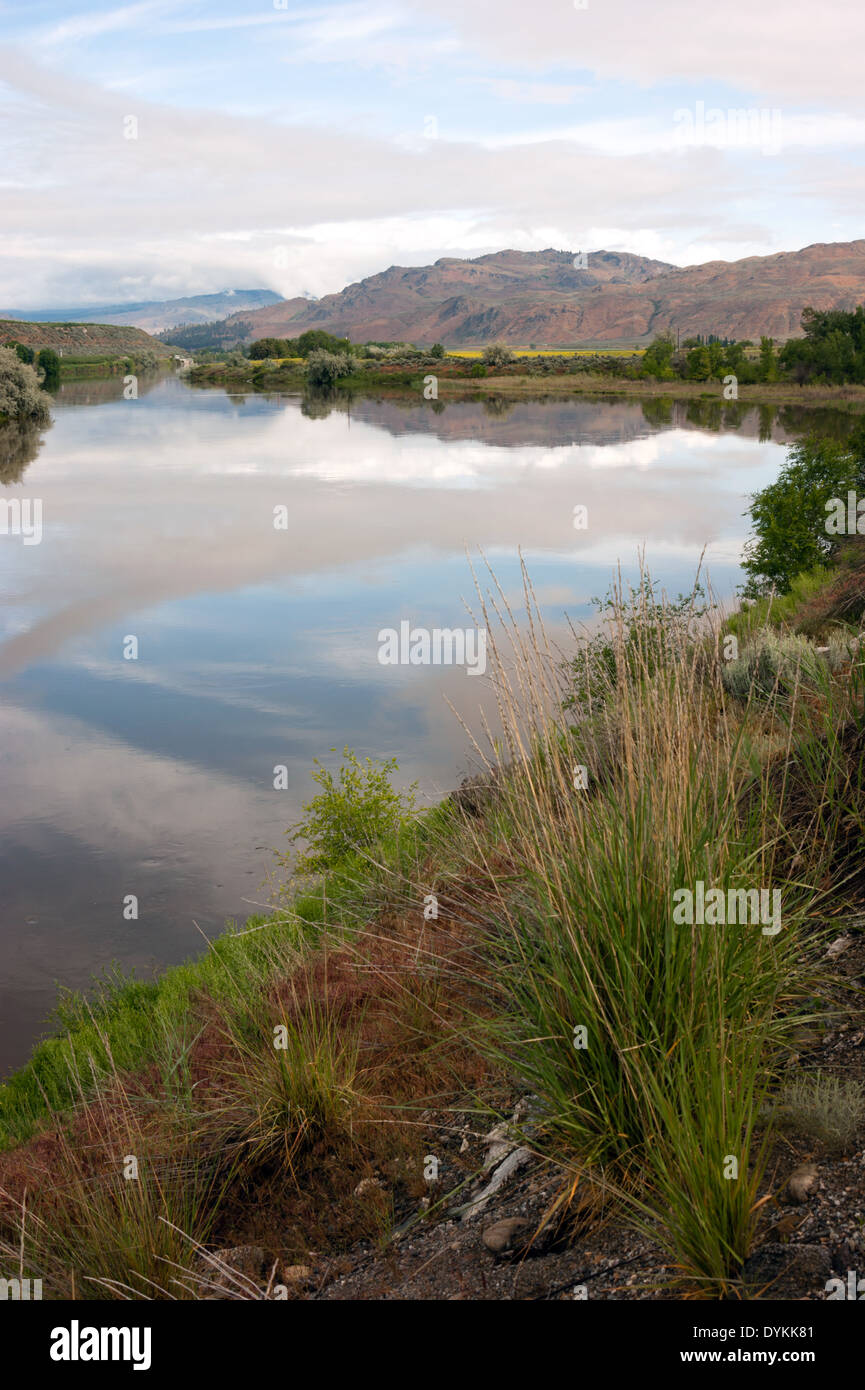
258	646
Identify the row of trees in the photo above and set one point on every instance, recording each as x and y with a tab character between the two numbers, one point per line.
696	360
832	350
314	338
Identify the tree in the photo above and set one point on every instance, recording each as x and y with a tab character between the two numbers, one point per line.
716	359
265	348
699	365
658	358
437	350
317	338
49	363
768	364
790	515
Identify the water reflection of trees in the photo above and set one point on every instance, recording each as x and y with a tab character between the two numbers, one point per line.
19	445
103	389
317	405
498	406
658	411
826	422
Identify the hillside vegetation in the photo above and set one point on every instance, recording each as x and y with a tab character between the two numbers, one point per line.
82	339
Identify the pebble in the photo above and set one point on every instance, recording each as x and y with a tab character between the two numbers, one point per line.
802	1182
503	1236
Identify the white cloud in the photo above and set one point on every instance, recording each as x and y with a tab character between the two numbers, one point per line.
775	48
96	23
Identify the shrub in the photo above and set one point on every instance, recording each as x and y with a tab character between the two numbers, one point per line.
325	368
779	662
351	813
20	395
437	350
826	1107
478	369
497	355
25	354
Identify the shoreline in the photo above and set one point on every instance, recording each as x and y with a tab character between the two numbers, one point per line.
403	384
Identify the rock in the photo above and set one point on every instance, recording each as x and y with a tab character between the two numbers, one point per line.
505	1236
498	1144
787	1268
296	1274
505	1171
839	945
787	1226
802	1181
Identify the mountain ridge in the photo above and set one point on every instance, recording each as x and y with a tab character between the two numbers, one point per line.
155	315
607	298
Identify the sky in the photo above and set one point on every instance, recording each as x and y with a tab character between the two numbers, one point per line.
174	147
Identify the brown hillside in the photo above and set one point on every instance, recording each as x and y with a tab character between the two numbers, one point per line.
525	297
80	339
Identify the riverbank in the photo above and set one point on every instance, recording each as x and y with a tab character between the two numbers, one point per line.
495	992
452	383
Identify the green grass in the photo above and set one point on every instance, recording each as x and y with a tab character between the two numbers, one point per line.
780	609
682	1024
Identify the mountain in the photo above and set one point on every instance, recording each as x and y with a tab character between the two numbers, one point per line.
540	297
155	315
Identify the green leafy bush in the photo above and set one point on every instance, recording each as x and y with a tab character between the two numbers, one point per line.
354	810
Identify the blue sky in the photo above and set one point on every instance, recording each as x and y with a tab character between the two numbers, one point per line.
169	147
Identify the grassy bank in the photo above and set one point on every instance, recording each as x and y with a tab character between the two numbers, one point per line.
455	382
92	367
521	939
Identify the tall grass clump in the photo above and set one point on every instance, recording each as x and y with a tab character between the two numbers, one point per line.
648	1041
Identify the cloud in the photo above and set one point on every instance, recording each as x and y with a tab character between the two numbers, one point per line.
96	23
203	198
774	48
533	93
